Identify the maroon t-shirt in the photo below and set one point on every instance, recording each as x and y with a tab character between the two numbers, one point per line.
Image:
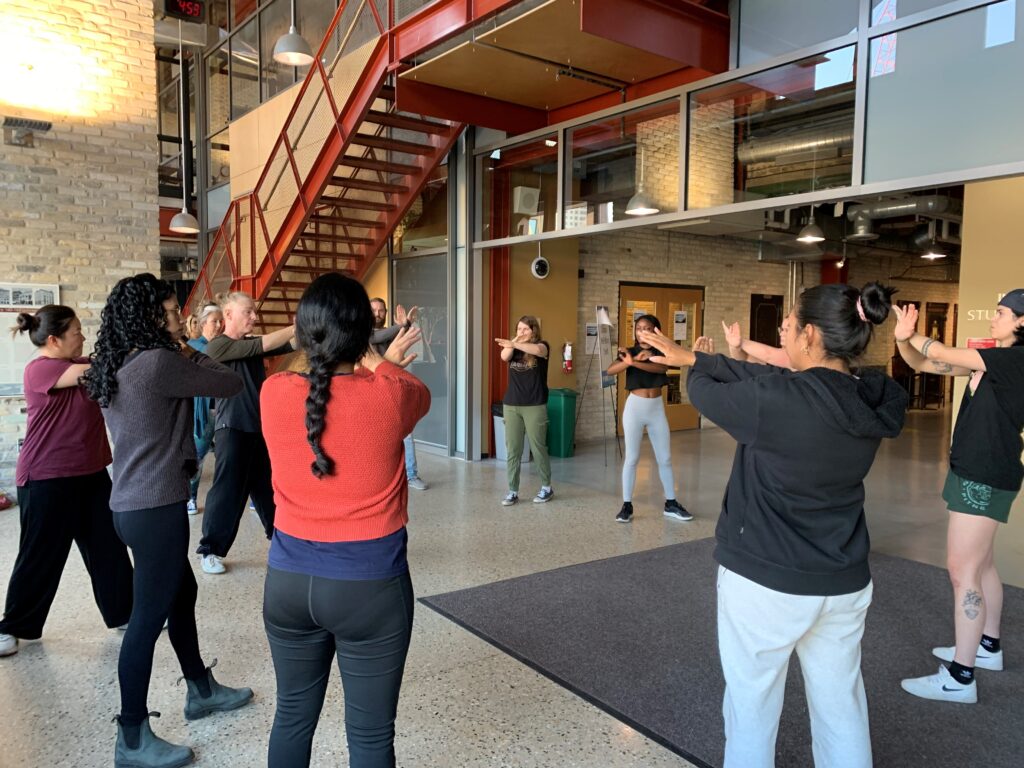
65	436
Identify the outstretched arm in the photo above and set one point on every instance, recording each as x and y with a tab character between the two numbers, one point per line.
928	355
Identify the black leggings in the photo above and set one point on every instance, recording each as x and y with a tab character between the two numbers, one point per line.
367	626
54	513
165	590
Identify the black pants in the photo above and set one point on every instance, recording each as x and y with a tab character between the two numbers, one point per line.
367	626
165	590
242	470
53	514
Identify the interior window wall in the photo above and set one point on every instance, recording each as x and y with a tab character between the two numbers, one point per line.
769	28
779	132
519	189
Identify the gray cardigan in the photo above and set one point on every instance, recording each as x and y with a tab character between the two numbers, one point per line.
150	420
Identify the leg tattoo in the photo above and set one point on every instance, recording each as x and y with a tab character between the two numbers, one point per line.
972	604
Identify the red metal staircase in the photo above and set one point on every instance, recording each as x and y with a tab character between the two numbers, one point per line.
344	171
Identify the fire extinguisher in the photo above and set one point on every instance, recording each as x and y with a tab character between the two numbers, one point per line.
567	357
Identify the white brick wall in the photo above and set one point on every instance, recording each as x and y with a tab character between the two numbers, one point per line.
80	208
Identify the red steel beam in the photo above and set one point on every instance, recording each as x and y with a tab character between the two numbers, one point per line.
463	107
439	21
684	31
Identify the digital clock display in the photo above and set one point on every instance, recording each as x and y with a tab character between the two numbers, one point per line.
190	10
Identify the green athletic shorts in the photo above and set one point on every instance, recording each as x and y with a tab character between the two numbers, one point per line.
973	498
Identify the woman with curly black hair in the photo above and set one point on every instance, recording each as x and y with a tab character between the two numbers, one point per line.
338	581
144	378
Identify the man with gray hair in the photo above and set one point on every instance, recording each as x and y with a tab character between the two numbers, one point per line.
242	467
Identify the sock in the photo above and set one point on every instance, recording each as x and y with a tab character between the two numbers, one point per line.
990	644
545	487
960	673
131	732
202	684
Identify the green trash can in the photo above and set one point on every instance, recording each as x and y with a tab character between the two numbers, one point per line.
561	422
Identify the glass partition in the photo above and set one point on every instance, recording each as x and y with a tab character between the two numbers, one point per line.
519	188
218	91
425	224
245	71
274	22
779	132
888	10
622	166
769	28
422	281
916	128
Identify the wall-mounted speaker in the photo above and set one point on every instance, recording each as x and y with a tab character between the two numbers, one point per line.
525	200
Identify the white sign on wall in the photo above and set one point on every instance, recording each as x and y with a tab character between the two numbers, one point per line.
15	353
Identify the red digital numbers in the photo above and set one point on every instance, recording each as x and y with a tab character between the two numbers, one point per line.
184	9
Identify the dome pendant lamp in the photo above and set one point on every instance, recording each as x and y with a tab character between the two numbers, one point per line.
292	48
641	204
184	223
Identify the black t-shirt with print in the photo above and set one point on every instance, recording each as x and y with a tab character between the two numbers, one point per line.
640	379
527	378
987	441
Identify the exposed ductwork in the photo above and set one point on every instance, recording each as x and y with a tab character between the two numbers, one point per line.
917	205
798	143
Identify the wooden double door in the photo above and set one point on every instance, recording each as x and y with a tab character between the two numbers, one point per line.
681	312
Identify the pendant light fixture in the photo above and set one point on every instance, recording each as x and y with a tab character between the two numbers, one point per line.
812	232
184	223
292	48
641	204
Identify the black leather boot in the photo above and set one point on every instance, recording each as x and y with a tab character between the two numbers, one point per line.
152	751
221	698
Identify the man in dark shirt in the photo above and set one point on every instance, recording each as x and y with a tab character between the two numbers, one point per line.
242	468
380	339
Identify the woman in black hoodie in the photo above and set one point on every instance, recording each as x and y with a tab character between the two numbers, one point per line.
792	539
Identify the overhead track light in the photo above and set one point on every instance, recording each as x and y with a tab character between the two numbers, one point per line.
292	48
811	233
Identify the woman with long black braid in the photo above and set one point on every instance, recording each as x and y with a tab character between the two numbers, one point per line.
144	379
338	581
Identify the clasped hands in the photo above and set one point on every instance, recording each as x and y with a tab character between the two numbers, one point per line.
673	354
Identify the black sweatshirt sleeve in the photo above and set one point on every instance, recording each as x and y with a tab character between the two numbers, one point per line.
731	405
726	370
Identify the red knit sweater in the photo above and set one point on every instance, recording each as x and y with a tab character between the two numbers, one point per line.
368	415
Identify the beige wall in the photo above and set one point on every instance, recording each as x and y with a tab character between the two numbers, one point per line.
376	280
552	300
80	207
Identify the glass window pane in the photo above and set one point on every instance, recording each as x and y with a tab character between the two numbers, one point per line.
245	74
423	282
887	10
274	22
242	10
313	17
624	166
769	28
520	189
218	106
912	129
217	201
783	131
425	225
218	14
219	159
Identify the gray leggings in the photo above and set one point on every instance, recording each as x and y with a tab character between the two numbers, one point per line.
643	412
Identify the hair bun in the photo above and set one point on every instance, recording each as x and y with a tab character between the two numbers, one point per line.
876	300
26	323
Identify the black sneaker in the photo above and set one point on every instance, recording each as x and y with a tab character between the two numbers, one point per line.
625	514
677	511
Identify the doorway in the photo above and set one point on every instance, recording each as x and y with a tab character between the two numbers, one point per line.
765	318
681	312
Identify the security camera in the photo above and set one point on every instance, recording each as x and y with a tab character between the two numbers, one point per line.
540	268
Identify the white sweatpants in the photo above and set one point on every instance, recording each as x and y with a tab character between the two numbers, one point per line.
758	630
647	412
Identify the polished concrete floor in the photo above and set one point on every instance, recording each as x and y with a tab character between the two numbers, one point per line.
463	703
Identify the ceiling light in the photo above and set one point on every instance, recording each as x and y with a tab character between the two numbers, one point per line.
932	255
550	143
183	223
811	233
641	204
292	48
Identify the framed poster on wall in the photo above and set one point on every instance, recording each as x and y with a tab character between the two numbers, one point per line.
17	351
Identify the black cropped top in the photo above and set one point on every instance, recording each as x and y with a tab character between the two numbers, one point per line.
638	379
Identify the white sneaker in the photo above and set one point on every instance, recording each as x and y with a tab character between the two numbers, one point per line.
543	495
417	483
213	565
192	507
8	645
510	498
984	660
941	687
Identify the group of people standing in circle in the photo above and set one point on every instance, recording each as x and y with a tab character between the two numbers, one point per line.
328	441
338	541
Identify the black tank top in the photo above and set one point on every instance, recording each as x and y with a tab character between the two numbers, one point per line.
637	379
